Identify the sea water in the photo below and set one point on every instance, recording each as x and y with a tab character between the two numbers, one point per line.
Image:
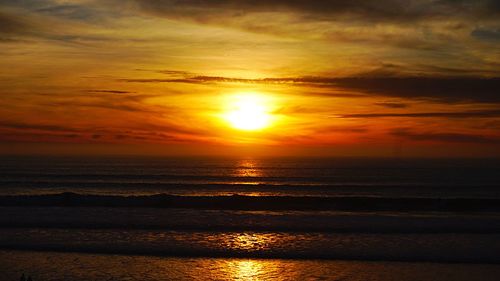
278	239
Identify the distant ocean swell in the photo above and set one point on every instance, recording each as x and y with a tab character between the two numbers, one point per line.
320	178
239	202
236	220
424	178
249	188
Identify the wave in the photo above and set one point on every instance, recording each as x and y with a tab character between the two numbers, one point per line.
240	202
292	178
377	227
471	248
253	255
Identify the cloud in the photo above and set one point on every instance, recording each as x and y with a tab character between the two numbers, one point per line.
170	72
415	24
444	136
75	10
17	131
464	114
390	23
430	26
486	34
72	136
392	104
20	28
485	69
50	20
365	10
43	127
117	105
119	100
12	26
344	129
111	91
70	11
443	89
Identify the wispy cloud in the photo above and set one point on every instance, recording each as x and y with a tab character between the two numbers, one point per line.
392	104
110	91
35	126
444	136
463	114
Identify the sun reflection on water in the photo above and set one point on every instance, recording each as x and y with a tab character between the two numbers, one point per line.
249	173
248	168
255	270
247	270
250	242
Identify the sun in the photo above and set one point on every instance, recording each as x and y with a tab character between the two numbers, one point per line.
248	112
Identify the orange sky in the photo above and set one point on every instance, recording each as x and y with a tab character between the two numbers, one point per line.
337	78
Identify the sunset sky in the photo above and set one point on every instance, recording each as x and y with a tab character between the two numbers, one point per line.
329	78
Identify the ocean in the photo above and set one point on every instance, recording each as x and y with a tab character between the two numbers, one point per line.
157	218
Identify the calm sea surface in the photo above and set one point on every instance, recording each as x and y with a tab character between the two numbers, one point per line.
281	176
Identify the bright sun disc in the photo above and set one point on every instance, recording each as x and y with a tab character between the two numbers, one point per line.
248	112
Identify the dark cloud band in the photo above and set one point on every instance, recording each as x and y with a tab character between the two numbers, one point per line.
464	114
453	89
365	10
444	137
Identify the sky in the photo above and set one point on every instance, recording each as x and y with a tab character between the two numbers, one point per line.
388	78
